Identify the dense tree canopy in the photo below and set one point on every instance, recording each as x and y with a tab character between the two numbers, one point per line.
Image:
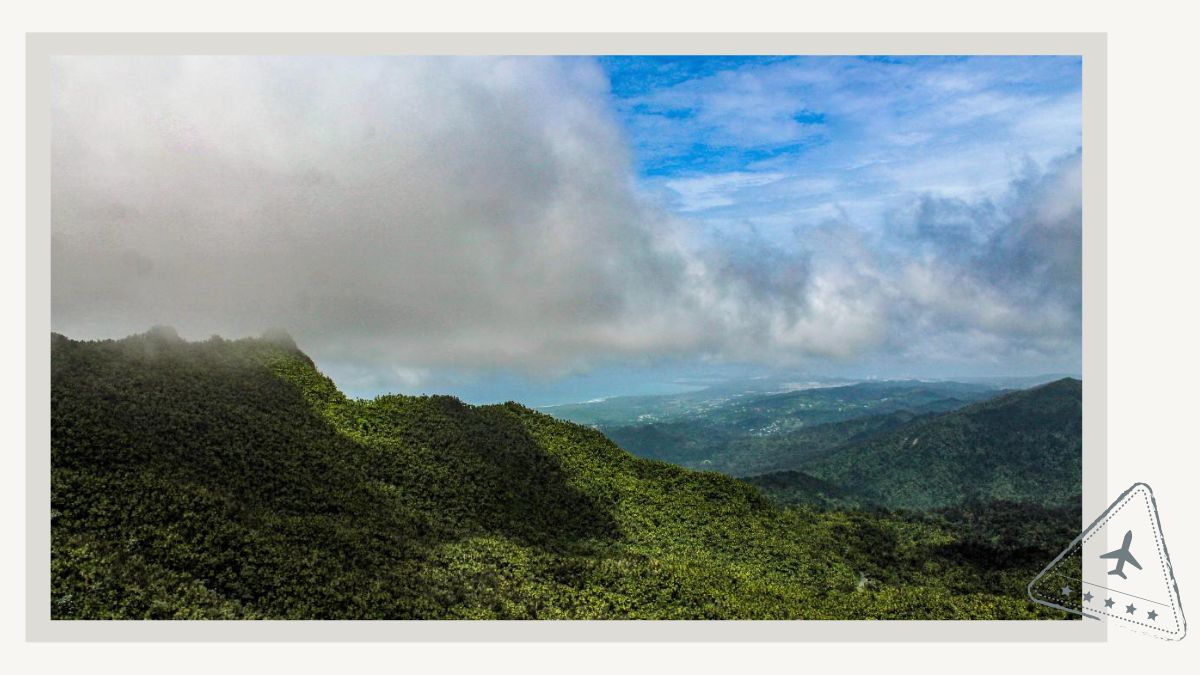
230	479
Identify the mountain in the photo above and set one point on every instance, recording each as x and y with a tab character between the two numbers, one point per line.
231	479
1024	446
705	445
701	398
753	433
796	488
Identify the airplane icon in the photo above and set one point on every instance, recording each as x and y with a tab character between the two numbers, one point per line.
1122	556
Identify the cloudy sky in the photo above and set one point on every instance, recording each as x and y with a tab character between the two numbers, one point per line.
554	229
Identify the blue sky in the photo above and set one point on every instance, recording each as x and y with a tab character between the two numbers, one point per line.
556	229
779	141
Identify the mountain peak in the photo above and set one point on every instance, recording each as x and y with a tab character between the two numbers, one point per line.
280	337
164	333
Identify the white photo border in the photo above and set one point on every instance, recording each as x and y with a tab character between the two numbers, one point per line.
40	47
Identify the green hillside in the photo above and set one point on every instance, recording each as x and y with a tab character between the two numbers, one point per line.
708	446
230	479
761	433
796	488
1025	446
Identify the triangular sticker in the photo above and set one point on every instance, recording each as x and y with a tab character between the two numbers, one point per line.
1118	570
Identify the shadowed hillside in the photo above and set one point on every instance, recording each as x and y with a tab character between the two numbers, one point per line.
1025	447
755	433
230	479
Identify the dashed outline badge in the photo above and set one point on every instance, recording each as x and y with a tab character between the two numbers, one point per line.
1118	569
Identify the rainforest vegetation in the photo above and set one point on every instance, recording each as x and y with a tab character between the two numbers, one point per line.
231	479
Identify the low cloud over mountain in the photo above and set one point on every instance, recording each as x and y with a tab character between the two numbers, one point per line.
411	214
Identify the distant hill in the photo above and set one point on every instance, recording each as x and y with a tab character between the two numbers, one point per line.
761	433
707	446
231	479
1023	446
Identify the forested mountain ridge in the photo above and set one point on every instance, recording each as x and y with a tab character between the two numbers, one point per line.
230	479
1024	446
755	433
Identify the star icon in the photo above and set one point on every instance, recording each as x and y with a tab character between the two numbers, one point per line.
1152	615
1130	609
1066	591
1087	597
1108	602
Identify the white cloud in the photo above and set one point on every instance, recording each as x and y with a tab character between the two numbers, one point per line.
708	191
401	215
413	212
